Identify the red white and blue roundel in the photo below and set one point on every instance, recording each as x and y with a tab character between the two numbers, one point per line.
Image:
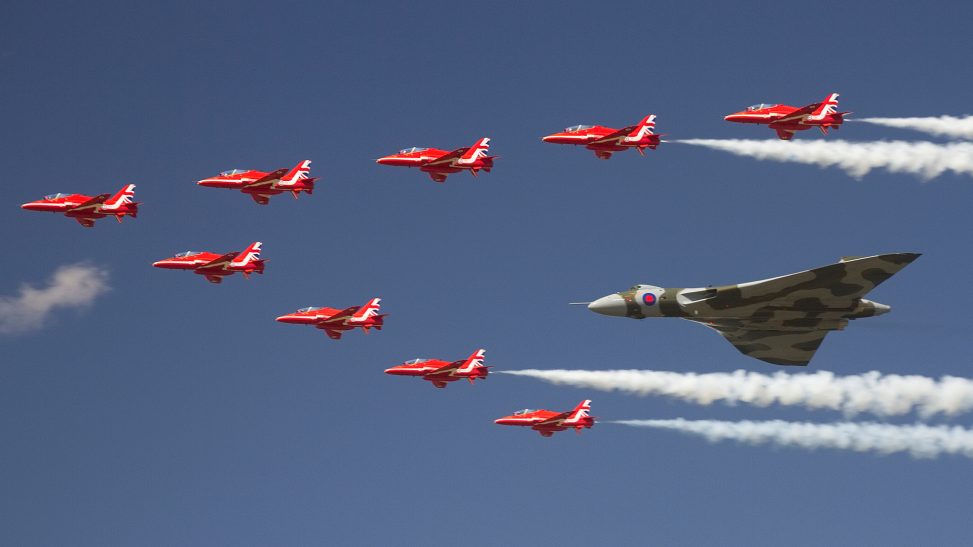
649	299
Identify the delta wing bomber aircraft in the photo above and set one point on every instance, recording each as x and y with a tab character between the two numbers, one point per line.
781	320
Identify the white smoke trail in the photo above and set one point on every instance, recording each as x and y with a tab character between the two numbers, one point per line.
944	126
924	159
872	392
920	441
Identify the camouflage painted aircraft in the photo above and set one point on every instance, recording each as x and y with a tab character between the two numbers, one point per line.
781	320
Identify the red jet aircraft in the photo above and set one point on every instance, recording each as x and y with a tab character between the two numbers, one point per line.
441	372
546	422
86	209
788	119
440	163
215	266
334	321
261	185
605	140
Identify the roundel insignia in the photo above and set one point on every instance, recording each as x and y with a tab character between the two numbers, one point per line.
649	299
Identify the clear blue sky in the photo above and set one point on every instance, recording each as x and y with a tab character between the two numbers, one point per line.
175	412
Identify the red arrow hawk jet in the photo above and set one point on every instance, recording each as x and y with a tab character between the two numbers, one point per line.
547	422
786	120
260	185
603	141
214	266
440	163
334	322
87	209
441	372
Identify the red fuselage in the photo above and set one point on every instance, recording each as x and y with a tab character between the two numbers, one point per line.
260	185
430	160
74	206
334	321
211	265
786	120
548	422
439	372
593	137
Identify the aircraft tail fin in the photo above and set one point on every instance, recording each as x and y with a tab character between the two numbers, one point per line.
580	412
825	107
249	257
368	311
123	199
474	361
643	129
475	152
300	172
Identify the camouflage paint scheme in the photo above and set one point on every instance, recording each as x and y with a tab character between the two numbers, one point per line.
781	320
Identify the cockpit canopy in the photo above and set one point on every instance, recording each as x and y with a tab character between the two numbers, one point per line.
574	128
307	309
56	196
232	172
642	287
524	411
187	253
412	150
760	106
415	361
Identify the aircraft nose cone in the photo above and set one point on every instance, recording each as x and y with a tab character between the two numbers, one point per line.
882	309
609	305
383	160
284	319
548	138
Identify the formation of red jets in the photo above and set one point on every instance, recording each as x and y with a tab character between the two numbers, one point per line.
438	164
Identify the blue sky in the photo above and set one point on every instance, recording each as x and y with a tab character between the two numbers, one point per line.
175	412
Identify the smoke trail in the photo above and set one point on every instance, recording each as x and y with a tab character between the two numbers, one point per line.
872	392
920	441
943	126
924	159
